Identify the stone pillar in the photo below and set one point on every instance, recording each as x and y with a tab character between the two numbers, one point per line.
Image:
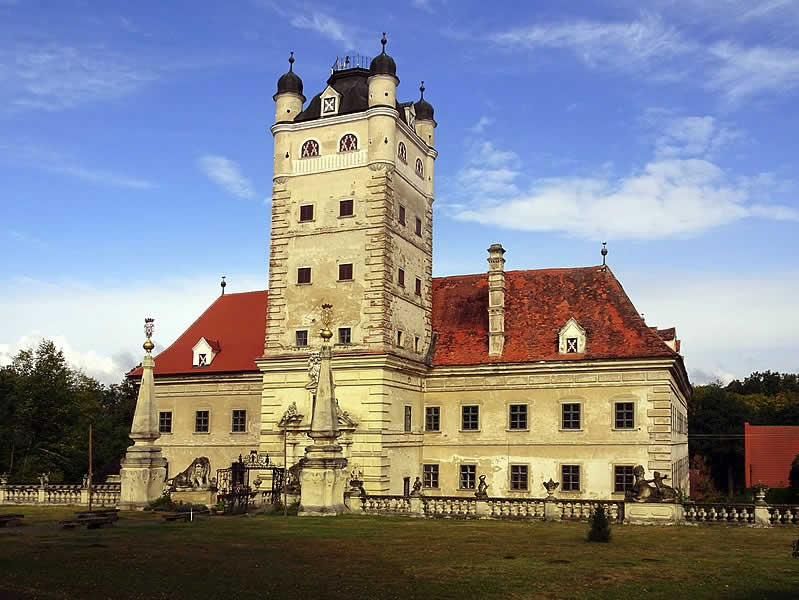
41	497
143	469
483	509
496	300
324	478
762	515
353	497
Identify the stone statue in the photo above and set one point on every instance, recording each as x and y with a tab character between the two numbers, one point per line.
85	480
291	416
356	474
550	487
417	488
44	479
293	477
642	491
196	476
482	486
3	478
314	362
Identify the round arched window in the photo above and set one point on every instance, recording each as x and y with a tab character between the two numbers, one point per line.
348	143
402	152
419	167
310	148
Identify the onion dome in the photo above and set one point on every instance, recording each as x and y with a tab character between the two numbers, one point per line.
289	82
424	110
383	64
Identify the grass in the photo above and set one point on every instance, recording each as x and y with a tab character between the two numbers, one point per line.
367	558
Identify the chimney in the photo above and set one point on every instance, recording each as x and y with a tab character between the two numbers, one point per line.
496	300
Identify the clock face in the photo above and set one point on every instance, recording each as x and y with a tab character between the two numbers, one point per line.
328	105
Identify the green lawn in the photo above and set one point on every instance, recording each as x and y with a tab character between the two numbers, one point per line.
369	558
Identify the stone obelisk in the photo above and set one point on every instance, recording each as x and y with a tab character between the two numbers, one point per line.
323	479
143	469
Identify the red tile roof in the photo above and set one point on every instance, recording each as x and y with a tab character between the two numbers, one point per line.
537	304
234	323
769	452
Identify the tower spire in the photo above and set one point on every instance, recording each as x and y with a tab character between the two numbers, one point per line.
291	62
384	41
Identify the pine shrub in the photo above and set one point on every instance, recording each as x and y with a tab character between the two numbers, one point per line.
599	525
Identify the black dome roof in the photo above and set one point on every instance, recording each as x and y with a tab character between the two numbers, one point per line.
383	64
290	81
424	110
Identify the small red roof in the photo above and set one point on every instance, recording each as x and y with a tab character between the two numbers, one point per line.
537	305
234	325
769	451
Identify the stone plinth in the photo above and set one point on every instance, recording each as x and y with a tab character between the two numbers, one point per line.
323	482
142	476
653	513
198	496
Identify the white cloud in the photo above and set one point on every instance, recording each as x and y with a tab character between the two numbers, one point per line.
54	77
99	325
744	72
227	174
481	125
325	25
425	5
678	192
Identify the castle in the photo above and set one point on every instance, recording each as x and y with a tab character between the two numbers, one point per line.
521	376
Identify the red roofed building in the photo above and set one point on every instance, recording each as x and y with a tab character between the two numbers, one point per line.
519	375
769	453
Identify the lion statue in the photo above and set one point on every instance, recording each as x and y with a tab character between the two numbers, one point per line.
195	476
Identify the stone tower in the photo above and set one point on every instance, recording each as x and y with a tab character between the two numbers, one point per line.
351	226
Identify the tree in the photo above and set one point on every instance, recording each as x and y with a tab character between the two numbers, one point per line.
599	526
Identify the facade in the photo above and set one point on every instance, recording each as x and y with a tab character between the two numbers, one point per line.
520	376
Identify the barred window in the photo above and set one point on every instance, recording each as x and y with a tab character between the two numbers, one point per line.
419	167
301	337
570	478
518	416
402	152
430	476
348	143
432	418
571	416
202	360
571	345
625	415
201	421
468	477
309	149
239	421
165	422
470	418
408	420
518	477
622	478
344	335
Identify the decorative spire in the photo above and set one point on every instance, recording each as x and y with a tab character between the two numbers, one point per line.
421	89
223	284
291	62
384	41
324	423
327	320
604	252
149	326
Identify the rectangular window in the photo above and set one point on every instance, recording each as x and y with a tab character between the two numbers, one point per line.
518	416
345	272
625	415
401	218
470	418
622	478
468	477
570	478
306	212
202	360
430	476
399	339
571	345
571	416
301	337
418	289
418	227
165	422
346	208
344	335
518	477
416	342
408	422
239	421
201	421
401	277
304	275
432	418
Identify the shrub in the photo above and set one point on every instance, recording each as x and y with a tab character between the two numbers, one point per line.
163	503
599	525
189	507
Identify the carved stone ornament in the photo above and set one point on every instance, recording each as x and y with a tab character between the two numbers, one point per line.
44	479
642	491
291	416
760	490
314	363
357	473
551	486
281	180
482	487
344	418
417	488
196	475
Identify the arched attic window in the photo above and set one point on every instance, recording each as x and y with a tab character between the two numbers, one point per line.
419	167
309	149
402	152
348	143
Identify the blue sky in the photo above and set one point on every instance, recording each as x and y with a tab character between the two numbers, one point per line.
135	156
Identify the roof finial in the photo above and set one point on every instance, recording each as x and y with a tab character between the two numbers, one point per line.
222	285
604	252
421	89
291	62
327	322
149	325
384	41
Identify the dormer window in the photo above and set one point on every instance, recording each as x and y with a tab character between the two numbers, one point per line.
204	352
329	106
571	338
309	149
330	102
348	143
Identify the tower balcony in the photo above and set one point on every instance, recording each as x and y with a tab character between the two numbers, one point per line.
329	162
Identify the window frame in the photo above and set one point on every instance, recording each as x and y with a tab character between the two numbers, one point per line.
418	228
402	152
463	417
563	478
348	202
623	427
304	270
435	476
401	277
417	289
526	416
318	148
352	272
355	137
572	345
301	219
471	472
233	424
526	468
400	338
407	418
207	420
419	168
341	330
297	332
202	359
161	419
331	111
401	215
432	412
563	406
614	477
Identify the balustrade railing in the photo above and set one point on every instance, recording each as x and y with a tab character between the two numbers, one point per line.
720	512
21	494
784	514
378	505
581	510
450	506
104	494
62	494
516	508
